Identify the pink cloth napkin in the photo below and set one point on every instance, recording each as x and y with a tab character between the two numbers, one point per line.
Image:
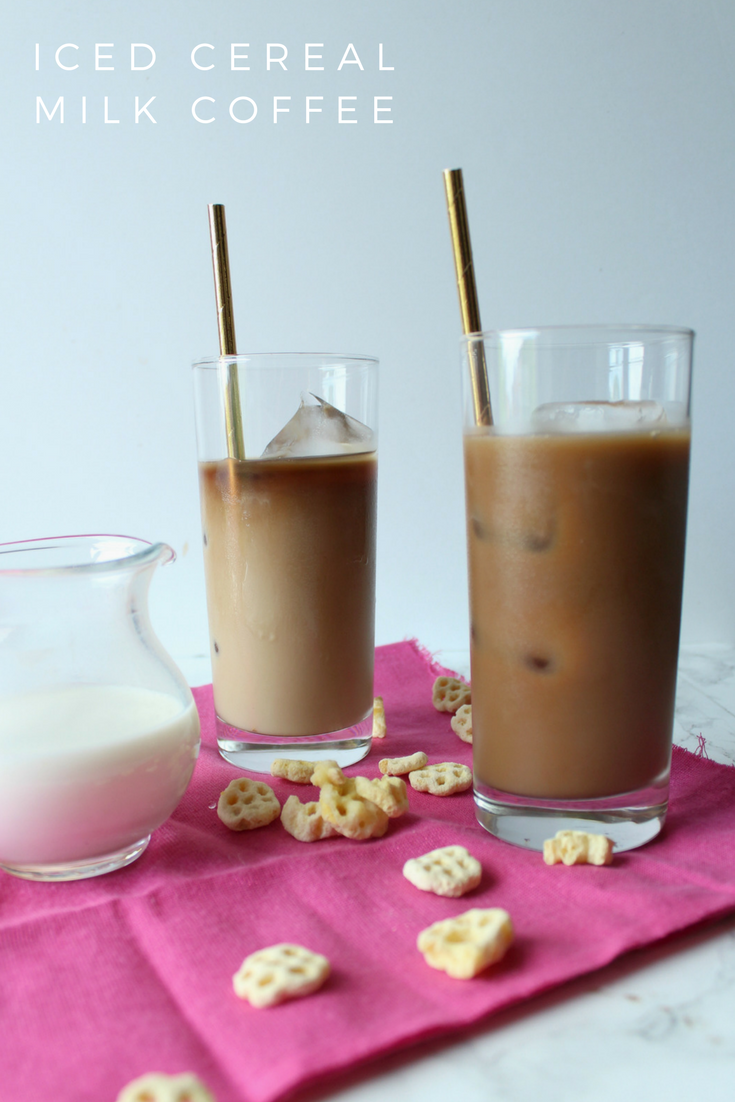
103	980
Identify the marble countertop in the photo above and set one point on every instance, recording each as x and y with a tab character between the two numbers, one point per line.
656	1024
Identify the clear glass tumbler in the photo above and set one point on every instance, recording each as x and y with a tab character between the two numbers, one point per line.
288	480
99	732
576	518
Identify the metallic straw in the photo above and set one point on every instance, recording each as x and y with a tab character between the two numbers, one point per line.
468	306
226	329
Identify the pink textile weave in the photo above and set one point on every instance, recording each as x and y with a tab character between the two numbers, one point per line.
103	980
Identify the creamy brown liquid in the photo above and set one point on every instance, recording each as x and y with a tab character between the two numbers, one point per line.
289	556
576	557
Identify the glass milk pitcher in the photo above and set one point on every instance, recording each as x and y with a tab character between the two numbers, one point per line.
99	732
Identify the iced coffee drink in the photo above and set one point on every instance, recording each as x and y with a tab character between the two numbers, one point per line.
289	557
289	554
576	522
576	559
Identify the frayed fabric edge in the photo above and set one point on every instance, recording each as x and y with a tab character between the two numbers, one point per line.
426	656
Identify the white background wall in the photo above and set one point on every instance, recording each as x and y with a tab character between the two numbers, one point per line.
598	149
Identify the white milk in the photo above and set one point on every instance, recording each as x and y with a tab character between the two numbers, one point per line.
86	770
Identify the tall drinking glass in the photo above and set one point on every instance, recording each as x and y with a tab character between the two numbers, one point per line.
576	517
289	552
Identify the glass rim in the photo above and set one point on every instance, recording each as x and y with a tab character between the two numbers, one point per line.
148	554
267	359
633	329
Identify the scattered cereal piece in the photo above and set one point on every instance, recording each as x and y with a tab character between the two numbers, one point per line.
379	728
327	772
449	693
464	946
294	769
351	814
389	793
279	972
305	821
461	722
157	1087
449	871
247	805
395	767
443	779
577	847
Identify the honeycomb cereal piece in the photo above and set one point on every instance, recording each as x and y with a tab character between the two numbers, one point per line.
449	871
294	769
305	821
247	805
351	814
280	972
577	847
157	1087
389	793
466	945
328	772
395	767
443	779
379	728
449	693
461	722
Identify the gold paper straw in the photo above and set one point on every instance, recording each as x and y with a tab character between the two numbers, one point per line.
226	329
468	306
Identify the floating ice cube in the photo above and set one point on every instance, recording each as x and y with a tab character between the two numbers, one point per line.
598	417
319	429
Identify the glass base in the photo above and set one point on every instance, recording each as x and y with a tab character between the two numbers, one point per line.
80	870
254	752
629	820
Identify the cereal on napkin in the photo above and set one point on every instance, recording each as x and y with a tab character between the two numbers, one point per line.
157	1087
449	693
461	722
270	976
294	769
305	822
379	728
389	793
397	767
351	814
449	871
577	847
247	805
464	946
443	779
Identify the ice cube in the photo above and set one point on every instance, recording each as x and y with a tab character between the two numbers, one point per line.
320	429
598	416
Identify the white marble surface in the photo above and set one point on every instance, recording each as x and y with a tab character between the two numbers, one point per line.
656	1024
